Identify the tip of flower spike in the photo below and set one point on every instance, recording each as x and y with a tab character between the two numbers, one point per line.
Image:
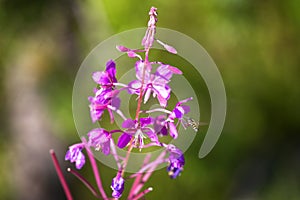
153	11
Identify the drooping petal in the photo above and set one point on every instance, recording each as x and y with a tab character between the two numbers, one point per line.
123	140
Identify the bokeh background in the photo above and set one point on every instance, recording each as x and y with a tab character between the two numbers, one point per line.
255	45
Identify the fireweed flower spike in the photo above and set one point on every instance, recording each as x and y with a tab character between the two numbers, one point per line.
74	154
152	79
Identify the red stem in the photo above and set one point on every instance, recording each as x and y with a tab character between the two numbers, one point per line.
95	170
84	181
140	195
141	89
138	178
137	112
60	175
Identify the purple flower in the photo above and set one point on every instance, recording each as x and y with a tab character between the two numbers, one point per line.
117	186
153	83
176	161
99	138
138	131
74	154
103	98
178	112
108	77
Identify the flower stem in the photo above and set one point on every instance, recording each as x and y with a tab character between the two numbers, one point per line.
138	177
148	174
84	181
141	89
140	195
60	175
95	169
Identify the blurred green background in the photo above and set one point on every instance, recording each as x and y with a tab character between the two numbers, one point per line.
255	45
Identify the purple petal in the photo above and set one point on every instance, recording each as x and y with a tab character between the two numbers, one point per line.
162	101
116	102
80	161
106	148
111	116
128	123
68	155
139	68
123	140
164	72
146	121
163	90
111	70
153	137
186	109
179	112
101	78
134	87
173	130
164	131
